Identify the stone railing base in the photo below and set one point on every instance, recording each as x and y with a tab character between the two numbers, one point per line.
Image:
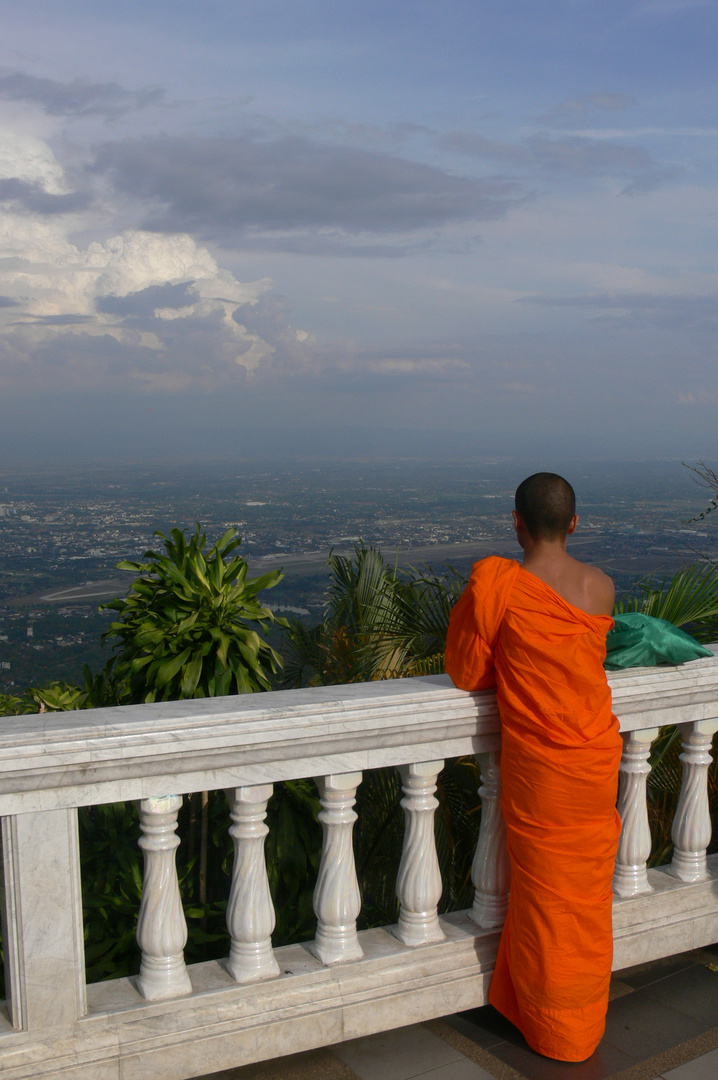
222	1025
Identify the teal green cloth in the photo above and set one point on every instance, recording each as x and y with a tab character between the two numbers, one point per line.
639	640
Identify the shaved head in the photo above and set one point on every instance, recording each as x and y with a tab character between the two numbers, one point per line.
546	503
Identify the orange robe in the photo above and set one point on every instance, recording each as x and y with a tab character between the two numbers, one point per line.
559	767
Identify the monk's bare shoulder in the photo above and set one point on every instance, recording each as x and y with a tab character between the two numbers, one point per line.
599	591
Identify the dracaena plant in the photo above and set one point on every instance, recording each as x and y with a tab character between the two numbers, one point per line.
191	624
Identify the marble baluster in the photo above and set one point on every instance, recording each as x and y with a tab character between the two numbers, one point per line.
250	912
418	883
691	830
630	877
336	897
490	870
161	926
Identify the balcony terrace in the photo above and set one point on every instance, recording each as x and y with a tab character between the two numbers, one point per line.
176	1021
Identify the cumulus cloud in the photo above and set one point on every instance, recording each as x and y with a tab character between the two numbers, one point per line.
151	309
218	188
162	295
76	98
27	160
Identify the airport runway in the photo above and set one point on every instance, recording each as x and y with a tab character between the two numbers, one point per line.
308	564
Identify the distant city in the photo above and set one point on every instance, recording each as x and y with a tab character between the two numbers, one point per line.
64	531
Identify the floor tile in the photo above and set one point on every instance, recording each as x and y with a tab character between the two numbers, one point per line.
396	1055
642	1027
457	1070
309	1065
701	1068
491	1031
693	992
604	1063
485	1026
643	974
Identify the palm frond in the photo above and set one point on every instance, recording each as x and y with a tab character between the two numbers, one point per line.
690	596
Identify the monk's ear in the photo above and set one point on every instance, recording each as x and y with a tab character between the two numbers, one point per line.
518	520
572	525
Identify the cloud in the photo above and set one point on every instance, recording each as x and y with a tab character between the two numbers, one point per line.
29	161
35	200
140	308
577	110
439	361
471	144
566	155
76	98
144	303
588	157
246	186
153	310
669	311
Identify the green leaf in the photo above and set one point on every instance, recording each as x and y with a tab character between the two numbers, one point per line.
191	675
169	668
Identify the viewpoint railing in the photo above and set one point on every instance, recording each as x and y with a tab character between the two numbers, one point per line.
175	1021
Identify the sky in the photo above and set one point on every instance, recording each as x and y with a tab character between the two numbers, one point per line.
338	229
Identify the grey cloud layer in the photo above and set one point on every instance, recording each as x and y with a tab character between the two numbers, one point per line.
677	312
35	200
213	187
142	305
76	98
567	155
580	109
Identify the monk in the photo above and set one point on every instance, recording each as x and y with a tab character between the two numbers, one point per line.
537	632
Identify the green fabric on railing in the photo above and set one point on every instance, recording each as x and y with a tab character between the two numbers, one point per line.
639	640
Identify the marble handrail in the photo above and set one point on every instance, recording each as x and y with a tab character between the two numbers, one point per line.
57	760
52	764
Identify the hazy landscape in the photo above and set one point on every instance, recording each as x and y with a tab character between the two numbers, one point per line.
64	531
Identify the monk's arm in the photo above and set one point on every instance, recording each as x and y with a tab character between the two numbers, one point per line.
468	658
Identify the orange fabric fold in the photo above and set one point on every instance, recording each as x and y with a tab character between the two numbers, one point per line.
559	769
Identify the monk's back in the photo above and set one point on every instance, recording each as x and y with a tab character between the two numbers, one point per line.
584	587
548	656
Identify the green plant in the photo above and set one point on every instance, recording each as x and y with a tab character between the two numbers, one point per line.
689	599
182	631
60	696
379	623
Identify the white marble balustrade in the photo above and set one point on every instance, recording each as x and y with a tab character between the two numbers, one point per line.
336	896
418	883
172	1021
490	870
250	912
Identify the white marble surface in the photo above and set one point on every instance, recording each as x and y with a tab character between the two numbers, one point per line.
103	755
634	847
490	868
337	902
51	762
43	939
223	1025
418	881
250	911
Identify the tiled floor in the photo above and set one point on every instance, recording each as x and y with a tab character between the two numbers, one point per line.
662	1021
662	1024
